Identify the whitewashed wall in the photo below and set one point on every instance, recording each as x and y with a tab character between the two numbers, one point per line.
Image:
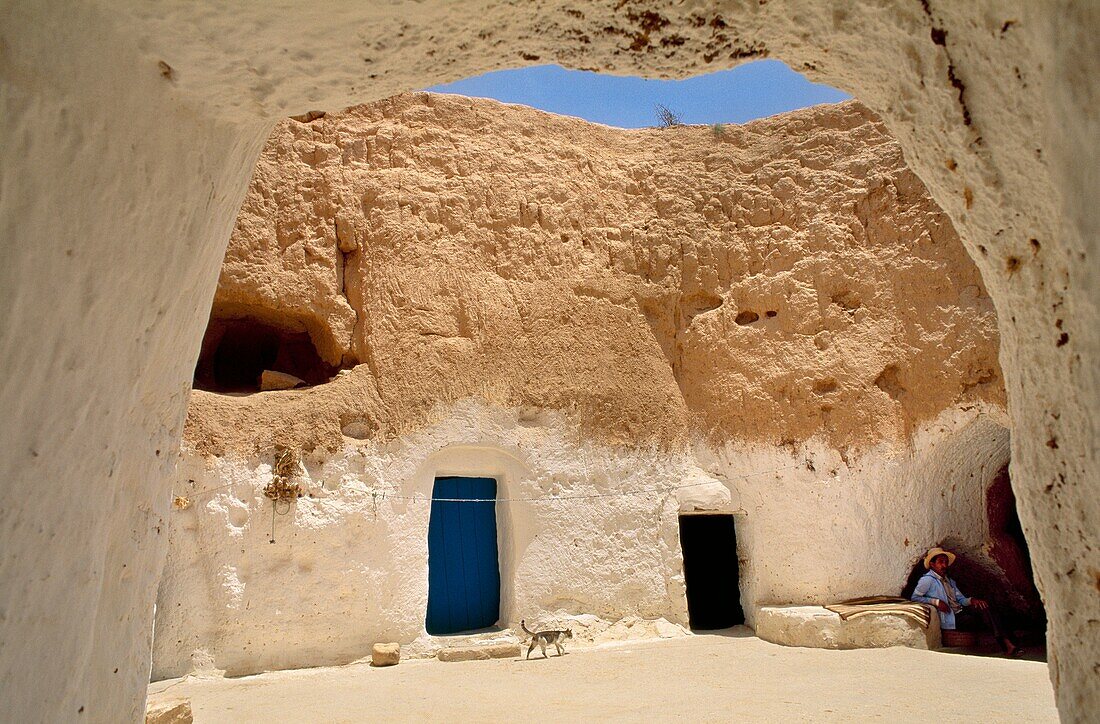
349	567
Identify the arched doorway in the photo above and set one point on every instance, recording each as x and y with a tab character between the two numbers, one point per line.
463	565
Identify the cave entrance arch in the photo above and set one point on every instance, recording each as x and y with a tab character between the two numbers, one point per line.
871	54
997	566
1009	549
709	545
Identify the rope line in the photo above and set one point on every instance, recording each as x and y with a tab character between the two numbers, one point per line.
214	490
383	495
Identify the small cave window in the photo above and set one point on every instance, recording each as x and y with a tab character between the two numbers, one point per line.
237	351
746	317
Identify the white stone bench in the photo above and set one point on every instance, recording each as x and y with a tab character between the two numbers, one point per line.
817	627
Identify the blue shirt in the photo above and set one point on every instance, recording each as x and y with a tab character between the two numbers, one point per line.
930	588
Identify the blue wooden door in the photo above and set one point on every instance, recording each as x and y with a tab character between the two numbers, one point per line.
463	573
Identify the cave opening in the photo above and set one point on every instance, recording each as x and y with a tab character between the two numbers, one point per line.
1009	549
752	90
237	351
1001	573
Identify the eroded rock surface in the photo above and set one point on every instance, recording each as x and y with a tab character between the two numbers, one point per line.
776	281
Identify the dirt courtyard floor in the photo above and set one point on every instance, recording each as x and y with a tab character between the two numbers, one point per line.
724	677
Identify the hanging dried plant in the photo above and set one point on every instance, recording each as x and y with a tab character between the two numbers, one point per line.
281	489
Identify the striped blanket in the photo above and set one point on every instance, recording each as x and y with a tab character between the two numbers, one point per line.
882	604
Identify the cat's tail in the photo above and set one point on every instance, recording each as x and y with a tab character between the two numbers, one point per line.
523	625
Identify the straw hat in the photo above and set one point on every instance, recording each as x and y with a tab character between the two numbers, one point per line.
938	552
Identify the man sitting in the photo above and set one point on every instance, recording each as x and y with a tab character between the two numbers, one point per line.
936	589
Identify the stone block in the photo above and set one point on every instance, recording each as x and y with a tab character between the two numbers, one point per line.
173	711
272	380
817	627
474	653
385	654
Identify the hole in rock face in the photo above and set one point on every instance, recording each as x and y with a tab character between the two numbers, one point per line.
746	317
701	303
236	352
359	429
889	381
763	87
846	300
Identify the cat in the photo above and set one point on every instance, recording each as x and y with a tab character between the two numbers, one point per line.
554	637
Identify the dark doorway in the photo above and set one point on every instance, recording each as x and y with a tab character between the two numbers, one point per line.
463	570
709	544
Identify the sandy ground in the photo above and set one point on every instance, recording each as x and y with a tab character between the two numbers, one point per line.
702	678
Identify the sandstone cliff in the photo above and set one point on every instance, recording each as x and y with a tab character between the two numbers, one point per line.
771	282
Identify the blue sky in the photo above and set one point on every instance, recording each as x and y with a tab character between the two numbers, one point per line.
753	90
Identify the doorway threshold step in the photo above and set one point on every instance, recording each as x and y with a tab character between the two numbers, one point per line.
479	652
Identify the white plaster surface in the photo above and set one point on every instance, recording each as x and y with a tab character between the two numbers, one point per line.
823	530
121	178
350	563
349	567
819	628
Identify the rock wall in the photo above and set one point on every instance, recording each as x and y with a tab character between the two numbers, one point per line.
576	310
784	279
136	128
